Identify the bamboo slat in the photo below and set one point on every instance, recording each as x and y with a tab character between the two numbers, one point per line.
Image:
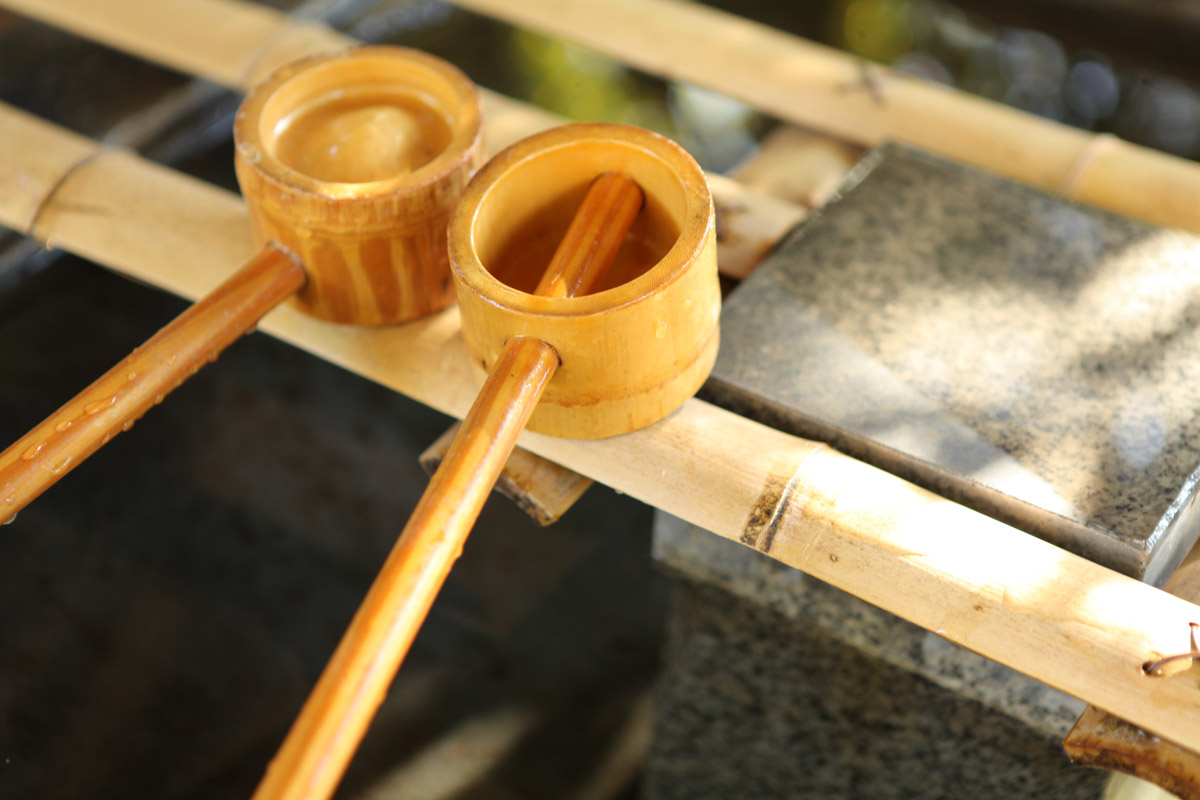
190	35
981	584
831	91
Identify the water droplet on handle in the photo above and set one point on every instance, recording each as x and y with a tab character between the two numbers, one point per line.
31	453
99	405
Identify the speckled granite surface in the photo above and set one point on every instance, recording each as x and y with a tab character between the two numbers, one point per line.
777	685
1032	359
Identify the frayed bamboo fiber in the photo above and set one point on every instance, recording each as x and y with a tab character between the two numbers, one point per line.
974	581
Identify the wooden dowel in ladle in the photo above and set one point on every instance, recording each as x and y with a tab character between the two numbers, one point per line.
123	394
336	715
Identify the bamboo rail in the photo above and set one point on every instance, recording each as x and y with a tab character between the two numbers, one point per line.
978	583
237	43
833	92
1099	739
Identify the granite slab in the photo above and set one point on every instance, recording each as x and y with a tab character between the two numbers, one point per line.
1029	358
775	684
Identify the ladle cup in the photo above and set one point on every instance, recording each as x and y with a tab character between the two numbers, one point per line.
351	165
661	285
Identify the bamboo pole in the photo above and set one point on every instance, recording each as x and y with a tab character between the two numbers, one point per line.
322	741
237	44
141	380
833	92
991	588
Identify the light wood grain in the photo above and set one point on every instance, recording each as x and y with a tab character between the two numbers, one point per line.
226	41
831	91
1000	592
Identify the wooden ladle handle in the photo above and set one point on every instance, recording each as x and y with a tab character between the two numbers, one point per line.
124	393
335	717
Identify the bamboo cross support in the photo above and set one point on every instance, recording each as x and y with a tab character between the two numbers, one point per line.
334	719
237	43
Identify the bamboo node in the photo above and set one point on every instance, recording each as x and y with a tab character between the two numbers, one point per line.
870	80
1087	156
47	199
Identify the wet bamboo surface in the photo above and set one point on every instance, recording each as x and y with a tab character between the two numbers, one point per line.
976	582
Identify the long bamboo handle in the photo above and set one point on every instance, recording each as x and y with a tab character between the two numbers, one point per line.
321	742
127	391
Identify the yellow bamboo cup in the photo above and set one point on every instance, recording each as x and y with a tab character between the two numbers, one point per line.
354	162
641	344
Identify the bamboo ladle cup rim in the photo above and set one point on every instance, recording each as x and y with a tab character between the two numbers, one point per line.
676	173
275	98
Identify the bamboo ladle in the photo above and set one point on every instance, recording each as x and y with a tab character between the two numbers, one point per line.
322	740
368	227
